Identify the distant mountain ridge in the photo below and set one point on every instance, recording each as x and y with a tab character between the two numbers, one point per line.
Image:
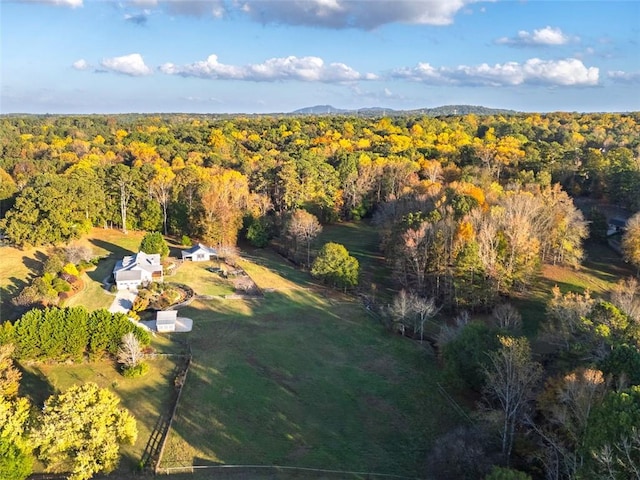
376	111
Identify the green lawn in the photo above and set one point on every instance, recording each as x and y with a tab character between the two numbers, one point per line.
146	397
361	240
19	267
201	280
301	379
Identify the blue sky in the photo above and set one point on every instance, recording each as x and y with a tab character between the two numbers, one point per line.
260	56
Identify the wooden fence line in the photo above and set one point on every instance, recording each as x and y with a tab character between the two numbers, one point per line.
276	468
181	378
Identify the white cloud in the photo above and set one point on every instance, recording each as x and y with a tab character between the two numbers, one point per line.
306	69
547	36
366	14
196	8
619	76
56	3
132	65
81	64
567	72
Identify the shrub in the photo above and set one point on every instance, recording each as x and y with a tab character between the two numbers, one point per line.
259	232
68	277
71	269
54	263
60	285
136	371
186	241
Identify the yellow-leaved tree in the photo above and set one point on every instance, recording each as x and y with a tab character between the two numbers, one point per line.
224	201
81	431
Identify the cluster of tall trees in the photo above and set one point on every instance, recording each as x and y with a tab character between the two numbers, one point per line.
465	245
468	208
576	417
199	175
79	431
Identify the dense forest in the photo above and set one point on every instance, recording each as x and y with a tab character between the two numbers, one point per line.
468	208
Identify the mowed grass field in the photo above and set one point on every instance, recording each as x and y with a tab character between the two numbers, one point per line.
303	379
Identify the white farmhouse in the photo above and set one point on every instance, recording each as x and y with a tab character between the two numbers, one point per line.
139	269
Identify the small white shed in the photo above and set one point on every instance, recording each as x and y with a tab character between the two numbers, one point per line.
166	320
199	253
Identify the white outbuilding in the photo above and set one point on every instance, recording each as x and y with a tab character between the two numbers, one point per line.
166	320
199	253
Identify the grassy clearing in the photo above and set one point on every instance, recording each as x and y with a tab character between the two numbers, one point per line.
601	270
146	397
361	240
19	267
203	282
299	379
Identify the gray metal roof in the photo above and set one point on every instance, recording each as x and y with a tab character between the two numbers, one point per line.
166	317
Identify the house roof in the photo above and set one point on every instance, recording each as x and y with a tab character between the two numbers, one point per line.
617	222
164	317
127	275
199	248
139	261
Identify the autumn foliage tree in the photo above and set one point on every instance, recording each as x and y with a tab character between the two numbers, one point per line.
15	445
81	431
224	199
631	241
304	227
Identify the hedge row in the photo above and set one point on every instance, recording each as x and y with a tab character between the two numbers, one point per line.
62	334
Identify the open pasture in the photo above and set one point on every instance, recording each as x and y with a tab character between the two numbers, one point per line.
300	379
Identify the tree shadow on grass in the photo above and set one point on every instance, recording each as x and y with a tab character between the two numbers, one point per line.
35	385
102	272
115	250
35	265
9	311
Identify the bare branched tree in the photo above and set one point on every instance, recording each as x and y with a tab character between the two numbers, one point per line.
511	376
564	314
400	310
449	331
130	352
507	317
304	227
626	296
78	253
424	310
